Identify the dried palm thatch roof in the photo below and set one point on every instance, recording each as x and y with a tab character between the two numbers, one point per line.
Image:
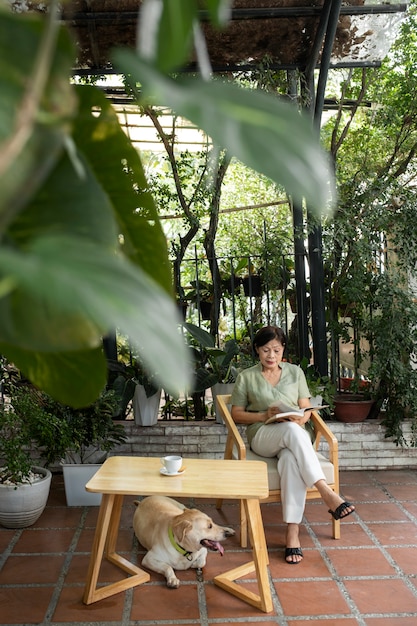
284	30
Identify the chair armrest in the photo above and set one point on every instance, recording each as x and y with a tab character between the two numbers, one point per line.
322	430
234	438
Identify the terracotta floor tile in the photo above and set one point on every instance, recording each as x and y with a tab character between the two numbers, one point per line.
222	605
157	602
249	622
381	511
70	608
217	565
77	570
355	478
395	476
60	517
395	533
351	535
44	540
363	562
18	570
300	598
228	515
406	558
363	493
275	536
30	611
325	622
381	596
390	621
124	540
271	514
6	537
33	560
312	566
403	492
411	507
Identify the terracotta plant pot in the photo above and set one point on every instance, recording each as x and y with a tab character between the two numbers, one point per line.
345	383
351	408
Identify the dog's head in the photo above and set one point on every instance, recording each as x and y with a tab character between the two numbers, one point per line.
193	529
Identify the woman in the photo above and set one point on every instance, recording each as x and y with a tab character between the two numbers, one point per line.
255	392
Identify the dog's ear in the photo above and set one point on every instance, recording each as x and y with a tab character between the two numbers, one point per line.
181	527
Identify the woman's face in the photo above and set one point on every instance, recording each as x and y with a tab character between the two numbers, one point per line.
270	354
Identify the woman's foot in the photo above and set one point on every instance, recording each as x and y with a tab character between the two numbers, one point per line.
343	510
293	552
338	508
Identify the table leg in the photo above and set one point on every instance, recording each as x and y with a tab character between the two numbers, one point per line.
226	581
105	539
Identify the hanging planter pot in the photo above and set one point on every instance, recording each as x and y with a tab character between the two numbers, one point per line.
252	285
205	309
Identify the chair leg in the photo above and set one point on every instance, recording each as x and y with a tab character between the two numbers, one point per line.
336	528
243	526
219	504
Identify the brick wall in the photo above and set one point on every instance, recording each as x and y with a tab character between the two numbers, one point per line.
361	446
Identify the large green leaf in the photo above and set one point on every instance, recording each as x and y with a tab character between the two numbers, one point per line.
267	134
166	32
65	275
68	202
30	142
118	168
63	375
219	11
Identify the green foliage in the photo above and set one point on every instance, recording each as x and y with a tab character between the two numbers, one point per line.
82	247
250	124
25	422
213	364
83	250
319	385
371	241
90	429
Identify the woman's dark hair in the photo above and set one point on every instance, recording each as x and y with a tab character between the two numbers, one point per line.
267	334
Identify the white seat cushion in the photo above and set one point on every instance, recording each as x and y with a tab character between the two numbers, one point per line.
273	476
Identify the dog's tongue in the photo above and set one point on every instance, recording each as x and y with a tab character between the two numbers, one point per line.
216	546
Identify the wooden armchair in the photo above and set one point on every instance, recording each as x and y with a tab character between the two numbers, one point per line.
236	449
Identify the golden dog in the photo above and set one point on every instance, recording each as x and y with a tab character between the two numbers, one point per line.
175	537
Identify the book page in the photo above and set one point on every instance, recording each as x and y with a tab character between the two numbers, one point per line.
286	413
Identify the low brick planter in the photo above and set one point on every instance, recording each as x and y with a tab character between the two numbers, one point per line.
361	446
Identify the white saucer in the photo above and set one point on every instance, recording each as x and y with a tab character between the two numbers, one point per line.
165	473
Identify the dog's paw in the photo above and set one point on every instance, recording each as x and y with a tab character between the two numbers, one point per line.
173	582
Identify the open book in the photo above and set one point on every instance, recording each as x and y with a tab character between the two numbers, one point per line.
287	412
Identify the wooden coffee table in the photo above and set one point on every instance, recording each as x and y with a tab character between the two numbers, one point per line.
123	476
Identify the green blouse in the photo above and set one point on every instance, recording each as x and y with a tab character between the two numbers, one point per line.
253	392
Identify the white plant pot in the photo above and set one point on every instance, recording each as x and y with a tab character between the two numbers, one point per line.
76	476
21	506
146	410
220	389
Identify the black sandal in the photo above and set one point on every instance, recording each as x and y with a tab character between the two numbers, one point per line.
337	514
292	552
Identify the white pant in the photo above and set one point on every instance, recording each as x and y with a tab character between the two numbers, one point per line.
298	465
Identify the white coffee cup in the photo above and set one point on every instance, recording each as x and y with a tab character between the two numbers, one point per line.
172	463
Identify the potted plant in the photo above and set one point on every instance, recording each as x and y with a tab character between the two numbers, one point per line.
201	294
133	384
146	398
214	366
91	434
321	388
24	486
